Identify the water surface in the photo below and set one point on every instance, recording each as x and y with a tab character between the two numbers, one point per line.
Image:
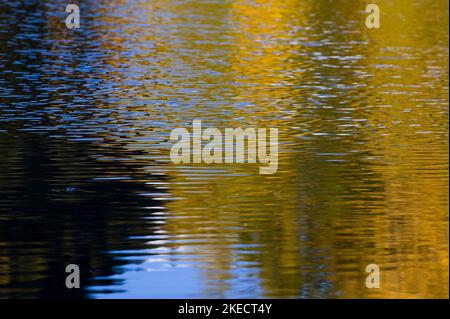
86	178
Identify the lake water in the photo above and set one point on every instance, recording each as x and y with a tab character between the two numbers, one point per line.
86	178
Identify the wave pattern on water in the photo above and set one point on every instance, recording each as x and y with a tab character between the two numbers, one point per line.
85	174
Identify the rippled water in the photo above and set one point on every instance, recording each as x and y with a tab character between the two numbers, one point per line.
85	174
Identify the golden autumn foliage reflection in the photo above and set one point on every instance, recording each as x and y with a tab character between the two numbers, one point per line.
363	130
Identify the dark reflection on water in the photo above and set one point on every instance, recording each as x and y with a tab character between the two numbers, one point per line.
85	176
60	206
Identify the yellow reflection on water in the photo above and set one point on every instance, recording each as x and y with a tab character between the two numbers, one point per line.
363	120
313	227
